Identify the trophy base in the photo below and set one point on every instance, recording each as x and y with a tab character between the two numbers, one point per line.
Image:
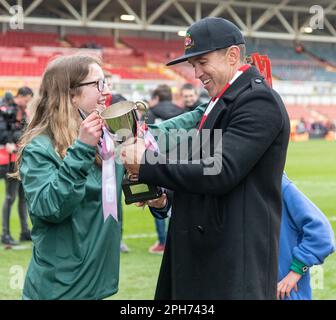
135	191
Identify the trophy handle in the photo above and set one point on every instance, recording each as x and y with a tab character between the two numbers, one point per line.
142	106
141	103
141	124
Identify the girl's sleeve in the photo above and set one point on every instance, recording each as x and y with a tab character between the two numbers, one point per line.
53	191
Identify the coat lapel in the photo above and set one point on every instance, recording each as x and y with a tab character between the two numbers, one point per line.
217	110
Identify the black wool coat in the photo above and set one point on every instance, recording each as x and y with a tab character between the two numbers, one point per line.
222	241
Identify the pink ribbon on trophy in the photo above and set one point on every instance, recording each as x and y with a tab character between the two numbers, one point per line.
109	183
150	141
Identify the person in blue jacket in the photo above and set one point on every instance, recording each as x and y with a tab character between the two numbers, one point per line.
306	239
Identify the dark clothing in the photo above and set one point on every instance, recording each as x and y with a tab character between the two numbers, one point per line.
193	107
223	236
13	188
162	111
11	130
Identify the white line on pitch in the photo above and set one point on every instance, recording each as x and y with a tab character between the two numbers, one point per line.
143	235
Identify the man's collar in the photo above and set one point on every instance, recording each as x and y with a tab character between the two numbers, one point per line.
241	84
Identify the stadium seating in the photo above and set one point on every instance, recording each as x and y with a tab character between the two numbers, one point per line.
91	41
155	49
27	39
328	111
289	64
27	53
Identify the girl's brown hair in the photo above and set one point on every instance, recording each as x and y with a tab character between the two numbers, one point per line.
53	113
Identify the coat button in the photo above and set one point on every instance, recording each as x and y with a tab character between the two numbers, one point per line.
200	229
257	80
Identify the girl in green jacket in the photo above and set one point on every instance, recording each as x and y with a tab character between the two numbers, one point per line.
75	253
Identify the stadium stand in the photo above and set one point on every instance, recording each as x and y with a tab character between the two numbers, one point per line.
90	41
139	49
26	39
155	49
26	54
131	57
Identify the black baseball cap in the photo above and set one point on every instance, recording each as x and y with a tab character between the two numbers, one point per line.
209	34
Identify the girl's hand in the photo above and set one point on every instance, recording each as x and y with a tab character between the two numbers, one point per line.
91	129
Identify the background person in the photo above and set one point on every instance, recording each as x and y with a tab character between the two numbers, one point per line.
306	239
161	108
13	119
190	97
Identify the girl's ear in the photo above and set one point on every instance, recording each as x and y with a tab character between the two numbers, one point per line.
74	100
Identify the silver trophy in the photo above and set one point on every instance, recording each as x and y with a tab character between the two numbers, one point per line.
123	122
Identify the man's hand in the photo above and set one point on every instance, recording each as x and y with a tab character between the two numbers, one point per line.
286	285
158	203
131	153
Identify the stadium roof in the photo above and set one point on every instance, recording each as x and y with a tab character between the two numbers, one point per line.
304	20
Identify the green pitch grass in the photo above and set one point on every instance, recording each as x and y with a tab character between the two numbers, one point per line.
311	165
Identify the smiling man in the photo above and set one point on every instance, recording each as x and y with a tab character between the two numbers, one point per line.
223	236
190	97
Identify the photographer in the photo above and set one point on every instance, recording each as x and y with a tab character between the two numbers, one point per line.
13	116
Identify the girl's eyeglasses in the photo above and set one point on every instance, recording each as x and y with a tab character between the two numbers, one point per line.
99	83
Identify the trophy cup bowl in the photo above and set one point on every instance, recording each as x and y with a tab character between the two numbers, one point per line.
122	121
121	118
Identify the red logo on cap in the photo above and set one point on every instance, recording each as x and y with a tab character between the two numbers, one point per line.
188	42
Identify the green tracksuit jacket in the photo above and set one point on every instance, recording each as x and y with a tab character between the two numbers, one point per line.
75	253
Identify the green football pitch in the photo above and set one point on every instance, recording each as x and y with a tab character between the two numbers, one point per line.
312	167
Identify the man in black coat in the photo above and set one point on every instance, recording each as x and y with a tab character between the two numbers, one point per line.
222	240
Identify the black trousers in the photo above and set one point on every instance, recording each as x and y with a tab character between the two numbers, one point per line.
13	187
